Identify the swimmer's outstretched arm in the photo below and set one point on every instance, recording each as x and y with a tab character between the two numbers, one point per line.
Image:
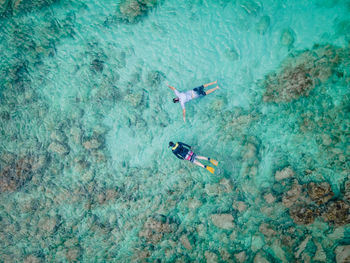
184	114
171	87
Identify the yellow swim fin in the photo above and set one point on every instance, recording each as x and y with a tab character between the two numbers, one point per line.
210	169
215	162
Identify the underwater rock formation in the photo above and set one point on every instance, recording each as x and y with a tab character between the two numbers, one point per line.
224	221
303	214
287	37
301	72
291	196
320	193
342	254
347	191
155	78
97	65
285	173
263	25
185	242
131	10
92	144
211	257
153	230
59	148
10	7
19	172
337	212
308	201
266	230
232	54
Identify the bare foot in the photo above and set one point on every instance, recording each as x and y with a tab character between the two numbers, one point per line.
217	87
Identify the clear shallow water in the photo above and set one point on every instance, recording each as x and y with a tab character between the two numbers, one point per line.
86	118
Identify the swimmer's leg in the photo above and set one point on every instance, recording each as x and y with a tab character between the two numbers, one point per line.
198	163
209	84
211	90
202	157
210	169
215	162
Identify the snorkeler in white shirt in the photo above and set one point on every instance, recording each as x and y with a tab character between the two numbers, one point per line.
198	92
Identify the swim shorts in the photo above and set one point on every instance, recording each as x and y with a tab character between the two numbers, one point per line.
190	156
200	91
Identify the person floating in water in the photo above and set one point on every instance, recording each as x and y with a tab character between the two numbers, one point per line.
186	96
183	151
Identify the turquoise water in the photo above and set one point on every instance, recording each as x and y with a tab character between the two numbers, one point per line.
86	118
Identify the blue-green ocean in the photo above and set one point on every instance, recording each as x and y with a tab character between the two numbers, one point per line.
86	117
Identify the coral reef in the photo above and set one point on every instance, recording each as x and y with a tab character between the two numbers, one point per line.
154	230
224	221
132	10
301	72
10	7
84	174
19	172
306	202
337	212
320	193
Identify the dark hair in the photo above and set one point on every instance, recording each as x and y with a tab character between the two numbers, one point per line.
176	100
171	144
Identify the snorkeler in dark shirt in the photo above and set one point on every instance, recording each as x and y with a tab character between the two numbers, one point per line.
183	151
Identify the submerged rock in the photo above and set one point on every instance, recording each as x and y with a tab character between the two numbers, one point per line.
287	37
260	259
47	224
284	174
210	257
250	152
226	184
290	197
263	25
153	230
73	254
342	254
269	198
240	206
18	173
301	247
320	255
155	78
19	6
32	259
59	148
224	221
92	144
320	193
337	212
231	54
347	191
185	242
194	203
131	10
240	257
266	230
303	214
97	65
301	72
